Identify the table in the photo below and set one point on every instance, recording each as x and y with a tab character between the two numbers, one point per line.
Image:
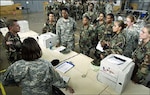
89	84
77	82
131	89
52	54
83	86
82	65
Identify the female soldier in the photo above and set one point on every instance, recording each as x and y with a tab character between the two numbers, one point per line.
50	25
101	25
116	44
141	57
35	75
132	36
86	36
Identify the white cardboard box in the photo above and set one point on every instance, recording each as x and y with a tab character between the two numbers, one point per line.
45	39
24	25
115	71
30	33
4	30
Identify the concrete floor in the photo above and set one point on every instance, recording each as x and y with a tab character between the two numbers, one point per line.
36	22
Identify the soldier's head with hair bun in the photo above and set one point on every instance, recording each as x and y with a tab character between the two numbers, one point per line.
85	20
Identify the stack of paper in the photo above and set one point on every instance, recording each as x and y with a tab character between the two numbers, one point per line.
64	67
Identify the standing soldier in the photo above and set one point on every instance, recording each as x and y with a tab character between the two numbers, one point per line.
109	7
86	36
80	10
115	45
108	34
85	7
65	29
101	7
56	10
48	8
101	26
91	13
105	35
50	25
132	36
12	41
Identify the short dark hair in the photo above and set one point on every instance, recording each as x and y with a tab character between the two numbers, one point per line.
66	9
111	15
30	49
10	22
50	13
102	13
92	4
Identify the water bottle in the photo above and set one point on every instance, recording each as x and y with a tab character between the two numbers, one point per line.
50	45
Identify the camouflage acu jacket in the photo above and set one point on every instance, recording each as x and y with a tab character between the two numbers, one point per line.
117	44
14	48
132	37
49	28
141	57
65	30
87	34
34	77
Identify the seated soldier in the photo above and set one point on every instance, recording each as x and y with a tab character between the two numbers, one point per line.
12	41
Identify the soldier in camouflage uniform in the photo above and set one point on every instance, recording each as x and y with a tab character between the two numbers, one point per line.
56	9
101	26
109	7
108	32
35	75
86	36
105	33
85	7
118	41
100	32
141	57
50	25
91	13
101	7
116	44
73	11
12	41
132	36
65	29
